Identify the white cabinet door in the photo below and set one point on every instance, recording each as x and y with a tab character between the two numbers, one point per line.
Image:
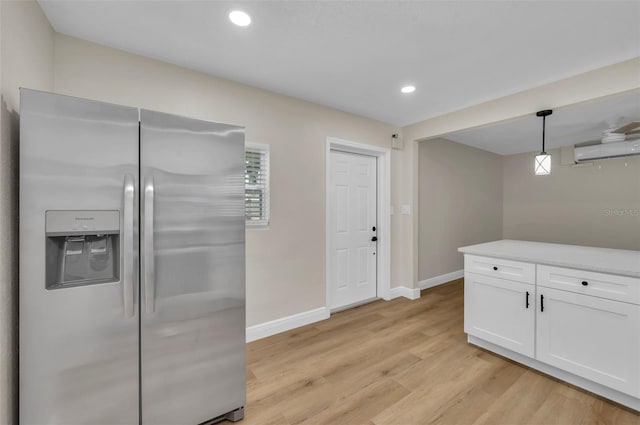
591	337
500	311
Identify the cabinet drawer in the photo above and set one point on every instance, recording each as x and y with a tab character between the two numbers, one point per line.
612	287
504	269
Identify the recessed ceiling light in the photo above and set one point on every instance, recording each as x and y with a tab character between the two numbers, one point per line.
408	89
240	18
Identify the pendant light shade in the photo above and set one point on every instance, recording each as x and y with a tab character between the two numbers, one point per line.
542	163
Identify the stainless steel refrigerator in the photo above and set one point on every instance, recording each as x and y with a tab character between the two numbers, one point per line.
132	265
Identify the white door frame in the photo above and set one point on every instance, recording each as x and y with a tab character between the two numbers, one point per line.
383	195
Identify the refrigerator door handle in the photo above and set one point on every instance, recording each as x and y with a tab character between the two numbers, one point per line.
127	258
149	255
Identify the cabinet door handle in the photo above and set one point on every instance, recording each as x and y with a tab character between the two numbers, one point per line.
527	301
495	268
585	283
541	302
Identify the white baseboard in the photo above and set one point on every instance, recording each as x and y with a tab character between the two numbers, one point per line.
439	280
403	291
284	324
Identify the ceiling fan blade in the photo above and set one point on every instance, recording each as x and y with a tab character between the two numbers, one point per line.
633	132
625	129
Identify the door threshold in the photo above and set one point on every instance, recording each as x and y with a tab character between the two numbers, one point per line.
354	305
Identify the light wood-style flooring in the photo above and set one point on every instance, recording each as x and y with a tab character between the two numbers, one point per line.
404	362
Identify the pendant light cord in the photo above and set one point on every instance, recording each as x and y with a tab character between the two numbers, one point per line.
544	125
544	115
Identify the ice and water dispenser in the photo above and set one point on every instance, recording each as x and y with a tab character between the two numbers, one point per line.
82	248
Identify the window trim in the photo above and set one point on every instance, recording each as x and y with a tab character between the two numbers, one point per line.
264	149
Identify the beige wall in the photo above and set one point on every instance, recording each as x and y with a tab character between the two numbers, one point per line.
606	81
401	231
286	266
596	205
460	203
26	60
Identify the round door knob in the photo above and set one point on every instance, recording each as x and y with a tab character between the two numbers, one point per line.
373	239
585	283
495	268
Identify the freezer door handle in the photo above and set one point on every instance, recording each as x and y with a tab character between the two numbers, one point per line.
148	253
127	257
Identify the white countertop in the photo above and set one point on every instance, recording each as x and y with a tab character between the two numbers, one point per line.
615	261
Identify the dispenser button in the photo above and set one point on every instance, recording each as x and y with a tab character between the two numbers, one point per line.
99	246
74	245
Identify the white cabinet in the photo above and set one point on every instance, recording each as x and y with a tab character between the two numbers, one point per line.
574	322
500	311
595	338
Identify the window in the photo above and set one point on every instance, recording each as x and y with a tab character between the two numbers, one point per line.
256	184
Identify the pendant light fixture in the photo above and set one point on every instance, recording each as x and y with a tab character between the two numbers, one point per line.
542	165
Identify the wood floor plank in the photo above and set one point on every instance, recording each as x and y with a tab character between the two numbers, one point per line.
467	405
603	412
406	362
558	409
428	401
361	404
257	416
520	401
324	343
346	383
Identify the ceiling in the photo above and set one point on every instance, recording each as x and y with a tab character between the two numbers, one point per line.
356	55
580	123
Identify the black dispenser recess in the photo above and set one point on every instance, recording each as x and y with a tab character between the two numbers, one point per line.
82	248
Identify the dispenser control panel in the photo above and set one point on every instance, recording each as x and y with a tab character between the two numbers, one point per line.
82	222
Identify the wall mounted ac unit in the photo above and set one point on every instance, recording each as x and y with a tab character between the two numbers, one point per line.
606	150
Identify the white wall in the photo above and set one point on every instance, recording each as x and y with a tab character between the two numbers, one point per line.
460	194
614	79
286	263
26	60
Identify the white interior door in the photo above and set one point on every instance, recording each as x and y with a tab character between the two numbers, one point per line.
352	224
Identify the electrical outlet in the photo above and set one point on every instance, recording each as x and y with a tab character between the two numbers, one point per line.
406	209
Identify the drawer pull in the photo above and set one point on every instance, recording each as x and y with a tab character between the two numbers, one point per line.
541	302
585	283
495	268
527	300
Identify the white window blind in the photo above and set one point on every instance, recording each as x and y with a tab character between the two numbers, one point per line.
256	180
